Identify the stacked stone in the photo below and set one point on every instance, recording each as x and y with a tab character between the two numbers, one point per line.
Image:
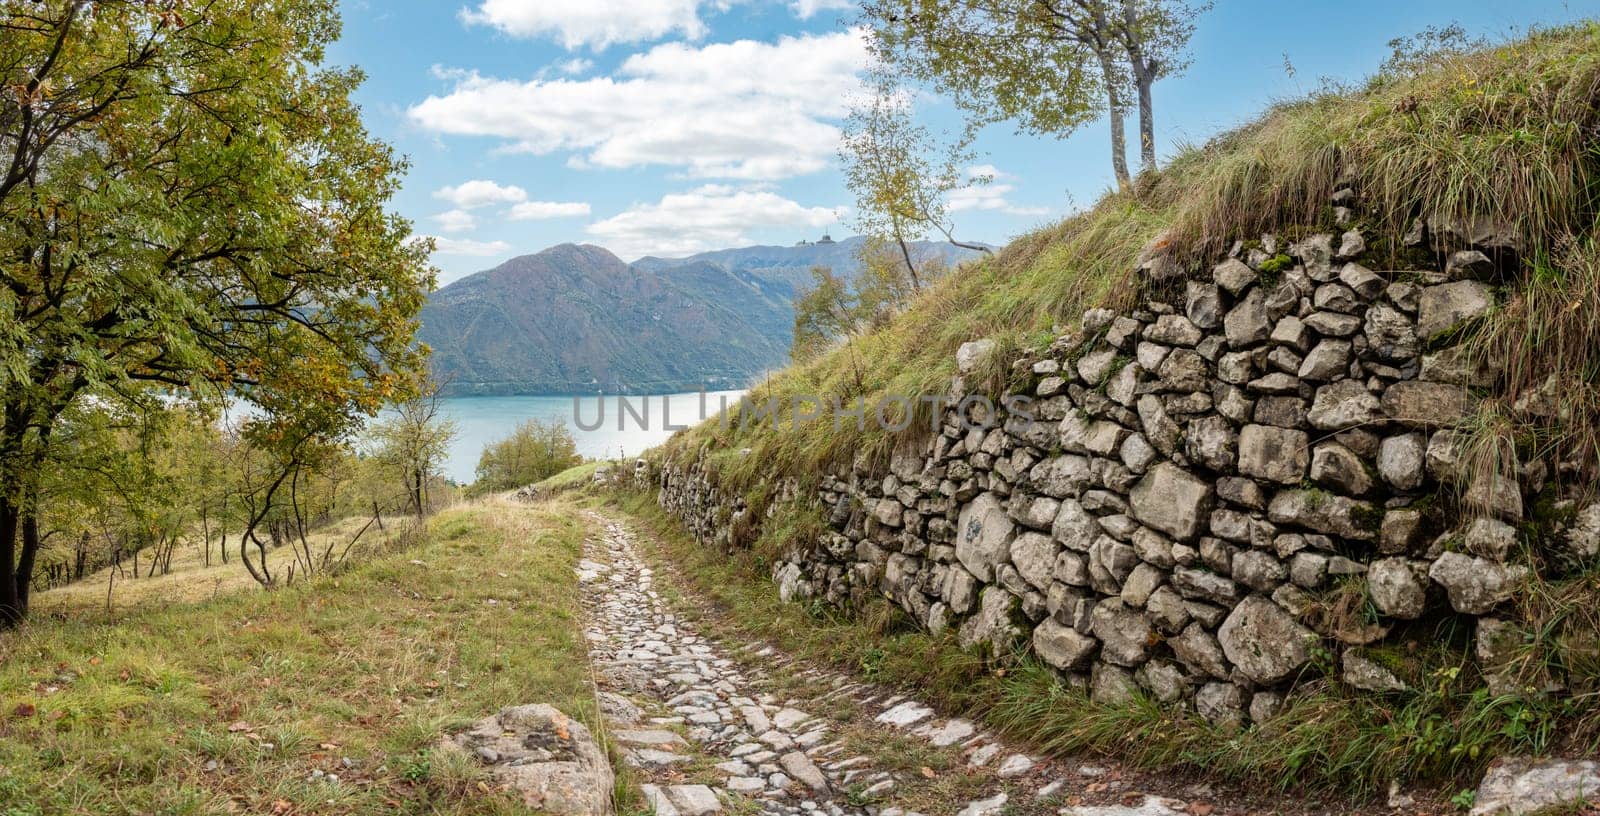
1193	483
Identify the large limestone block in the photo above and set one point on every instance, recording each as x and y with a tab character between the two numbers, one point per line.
1172	500
983	536
550	759
1263	641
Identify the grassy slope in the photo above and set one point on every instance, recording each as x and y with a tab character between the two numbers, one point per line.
371	665
1508	133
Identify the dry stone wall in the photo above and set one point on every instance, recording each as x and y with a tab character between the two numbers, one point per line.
1195	485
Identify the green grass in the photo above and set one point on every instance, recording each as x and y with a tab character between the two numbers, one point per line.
372	665
1507	133
1329	740
575	476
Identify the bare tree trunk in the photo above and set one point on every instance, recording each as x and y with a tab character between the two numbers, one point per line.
905	252
1114	114
1145	71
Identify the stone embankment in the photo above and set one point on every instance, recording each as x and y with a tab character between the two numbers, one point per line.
1198	494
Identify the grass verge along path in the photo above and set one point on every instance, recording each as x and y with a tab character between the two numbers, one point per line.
324	697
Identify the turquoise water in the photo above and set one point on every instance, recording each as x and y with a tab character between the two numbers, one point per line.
482	420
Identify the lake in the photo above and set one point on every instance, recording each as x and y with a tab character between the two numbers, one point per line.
601	426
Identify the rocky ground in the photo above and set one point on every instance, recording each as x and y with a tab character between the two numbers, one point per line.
714	727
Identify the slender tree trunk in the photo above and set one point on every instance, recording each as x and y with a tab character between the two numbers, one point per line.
905	252
1147	124
1145	71
1114	114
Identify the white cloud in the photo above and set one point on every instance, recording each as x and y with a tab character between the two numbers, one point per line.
595	23
462	246
538	210
985	192
708	217
470	195
806	9
577	65
744	110
456	221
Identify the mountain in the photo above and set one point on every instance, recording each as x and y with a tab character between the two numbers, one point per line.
577	319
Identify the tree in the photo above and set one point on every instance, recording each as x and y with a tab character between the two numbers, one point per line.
823	312
189	207
533	452
1052	65
900	174
414	442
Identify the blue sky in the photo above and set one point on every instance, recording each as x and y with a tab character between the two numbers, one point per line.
673	126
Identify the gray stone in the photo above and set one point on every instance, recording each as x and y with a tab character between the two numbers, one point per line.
1177	330
1423	404
1475	585
1308	569
1062	476
1034	556
1401	460
1361	672
1140	583
1212	442
1235	367
1137	453
1363	281
971	354
1233	275
1264	705
1096	366
1258	570
1489	538
983	536
1248	323
1199	651
1396	588
1221	704
1328	360
993	624
1110	562
1583	534
1274	454
1183	370
1390	335
1281	411
1448	305
548	758
1062	646
1333	324
1124	633
1038	512
799	766
1111	685
1523	786
959	589
1165	608
1265	643
1334	465
1291	332
1344	404
1198	583
1074	527
1159	429
1172	501
1165	682
1326	513
1336	297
